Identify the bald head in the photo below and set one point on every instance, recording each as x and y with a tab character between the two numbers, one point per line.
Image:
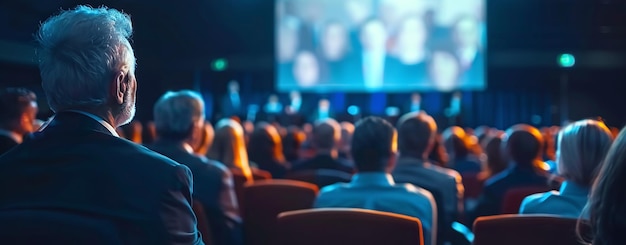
523	144
416	134
326	134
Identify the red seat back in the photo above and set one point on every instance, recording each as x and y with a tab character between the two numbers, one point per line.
203	223
515	229
320	177
342	226
513	198
265	199
473	186
240	180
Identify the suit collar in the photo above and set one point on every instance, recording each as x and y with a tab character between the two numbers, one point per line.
77	121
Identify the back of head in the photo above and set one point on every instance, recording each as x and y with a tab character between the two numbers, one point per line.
178	115
18	109
493	151
582	148
374	145
456	142
416	134
326	134
523	144
265	145
607	209
292	142
82	51
228	145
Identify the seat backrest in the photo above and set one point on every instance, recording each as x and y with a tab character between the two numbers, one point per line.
339	226
36	226
320	177
203	223
513	229
473	186
240	180
266	199
513	198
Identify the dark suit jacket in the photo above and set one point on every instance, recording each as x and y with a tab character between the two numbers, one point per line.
490	202
213	185
229	109
77	166
6	144
322	161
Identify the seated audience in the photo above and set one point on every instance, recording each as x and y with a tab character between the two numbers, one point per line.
229	147
292	143
372	187
179	120
325	137
416	136
459	149
522	146
493	162
77	164
18	116
265	149
581	149
438	155
607	211
347	129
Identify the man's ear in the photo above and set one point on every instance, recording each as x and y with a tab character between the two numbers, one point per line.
119	87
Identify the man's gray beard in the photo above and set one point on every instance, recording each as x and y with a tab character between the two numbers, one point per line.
127	114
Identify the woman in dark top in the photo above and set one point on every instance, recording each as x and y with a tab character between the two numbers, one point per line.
266	150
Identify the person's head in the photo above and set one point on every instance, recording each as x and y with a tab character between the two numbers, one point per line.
306	69
265	145
87	63
438	154
582	148
347	131
292	142
411	36
326	134
416	134
233	86
18	110
334	41
323	104
179	116
229	145
456	142
606	205
466	32
374	35
522	144
358	10
374	145
444	69
287	39
493	152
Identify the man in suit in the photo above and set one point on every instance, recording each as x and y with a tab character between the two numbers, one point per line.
326	136
179	120
18	116
231	102
522	146
322	112
372	187
76	163
417	132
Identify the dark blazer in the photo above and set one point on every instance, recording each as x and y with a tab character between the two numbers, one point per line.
229	109
6	144
213	187
77	166
323	161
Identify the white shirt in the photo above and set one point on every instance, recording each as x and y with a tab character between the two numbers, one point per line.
15	137
99	120
373	68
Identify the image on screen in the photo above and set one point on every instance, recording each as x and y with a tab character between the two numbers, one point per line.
380	45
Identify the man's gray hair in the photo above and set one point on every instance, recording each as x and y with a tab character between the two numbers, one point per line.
175	113
80	52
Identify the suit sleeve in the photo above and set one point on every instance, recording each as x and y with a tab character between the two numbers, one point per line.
176	213
228	199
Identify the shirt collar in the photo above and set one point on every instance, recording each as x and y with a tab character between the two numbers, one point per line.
16	137
573	189
99	120
372	179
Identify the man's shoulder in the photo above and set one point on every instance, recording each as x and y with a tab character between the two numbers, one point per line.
413	191
444	172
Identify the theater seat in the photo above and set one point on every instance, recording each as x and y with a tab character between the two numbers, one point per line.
320	177
513	198
513	229
265	199
19	227
240	180
341	226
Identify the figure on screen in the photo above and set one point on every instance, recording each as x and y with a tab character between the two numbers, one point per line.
444	70
391	12
334	42
311	14
287	45
408	65
358	12
374	53
466	36
306	70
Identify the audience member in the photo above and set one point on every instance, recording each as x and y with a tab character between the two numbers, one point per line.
229	147
347	129
292	143
325	137
374	151
265	149
76	164
458	147
606	206
438	155
582	148
494	162
18	114
522	146
416	136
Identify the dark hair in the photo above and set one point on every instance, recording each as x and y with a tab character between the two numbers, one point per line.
13	103
292	142
416	133
326	134
438	154
523	144
455	141
372	144
265	145
607	210
493	151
